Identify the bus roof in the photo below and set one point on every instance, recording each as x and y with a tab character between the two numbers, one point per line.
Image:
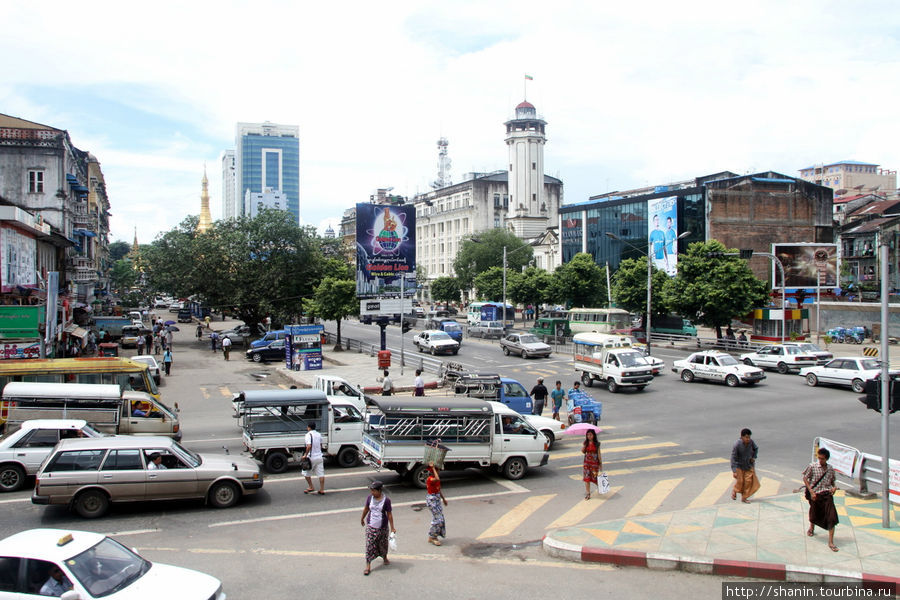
433	405
599	310
20	389
73	365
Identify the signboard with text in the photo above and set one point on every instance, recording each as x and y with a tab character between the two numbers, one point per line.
303	347
385	249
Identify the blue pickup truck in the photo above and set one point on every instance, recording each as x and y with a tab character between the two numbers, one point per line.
489	386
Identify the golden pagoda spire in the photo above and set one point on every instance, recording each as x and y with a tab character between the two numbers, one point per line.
205	218
134	246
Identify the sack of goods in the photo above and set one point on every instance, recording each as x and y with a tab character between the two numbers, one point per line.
435	452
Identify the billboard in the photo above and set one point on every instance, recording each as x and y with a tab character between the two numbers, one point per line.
662	233
807	265
385	250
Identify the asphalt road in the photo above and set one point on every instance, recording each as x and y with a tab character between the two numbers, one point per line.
665	448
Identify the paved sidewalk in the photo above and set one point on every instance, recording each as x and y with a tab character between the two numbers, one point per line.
765	539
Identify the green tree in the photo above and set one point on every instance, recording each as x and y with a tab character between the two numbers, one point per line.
118	250
334	300
171	260
477	255
580	282
534	286
489	284
445	289
123	276
629	288
712	291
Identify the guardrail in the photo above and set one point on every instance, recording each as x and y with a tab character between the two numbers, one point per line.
409	359
871	471
857	470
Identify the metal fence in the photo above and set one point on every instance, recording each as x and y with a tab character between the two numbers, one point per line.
410	357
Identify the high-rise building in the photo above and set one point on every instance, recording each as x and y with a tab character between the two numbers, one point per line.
267	156
850	175
229	208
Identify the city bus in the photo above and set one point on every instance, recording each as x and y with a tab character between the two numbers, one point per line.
598	320
477	312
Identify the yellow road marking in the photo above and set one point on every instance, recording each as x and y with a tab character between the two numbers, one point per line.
225	391
580	511
666	467
646	457
714	490
653	498
604	450
205	393
284	385
767	487
506	524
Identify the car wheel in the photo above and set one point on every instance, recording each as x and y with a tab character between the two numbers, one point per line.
12	478
514	468
748	362
257	357
587	380
732	381
455	352
419	348
550	438
419	476
858	386
348	457
433	352
224	494
276	462
687	376
812	380
91	504
505	350
612	386
782	368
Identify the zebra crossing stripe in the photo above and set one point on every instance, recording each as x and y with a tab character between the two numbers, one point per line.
583	509
767	487
654	498
506	524
225	391
714	490
606	450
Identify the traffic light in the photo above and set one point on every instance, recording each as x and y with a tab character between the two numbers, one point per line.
406	326
746	253
872	399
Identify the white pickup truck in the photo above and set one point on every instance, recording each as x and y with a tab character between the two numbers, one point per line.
478	434
341	390
612	360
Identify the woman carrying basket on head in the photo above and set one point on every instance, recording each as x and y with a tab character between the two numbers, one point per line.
433	498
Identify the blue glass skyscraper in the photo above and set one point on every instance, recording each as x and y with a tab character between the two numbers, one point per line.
267	158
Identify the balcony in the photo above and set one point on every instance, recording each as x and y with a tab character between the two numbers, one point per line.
85	276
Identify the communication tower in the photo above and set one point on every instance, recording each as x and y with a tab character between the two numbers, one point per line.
443	179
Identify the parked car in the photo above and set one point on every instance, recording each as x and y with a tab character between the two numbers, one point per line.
525	345
486	329
781	357
130	335
184	315
822	356
850	371
72	474
23	451
96	566
151	363
274	351
268	338
435	342
716	366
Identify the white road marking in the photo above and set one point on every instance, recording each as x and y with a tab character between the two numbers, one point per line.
132	532
12	500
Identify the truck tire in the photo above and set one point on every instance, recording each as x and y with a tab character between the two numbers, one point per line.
550	438
612	386
348	457
12	478
586	379
514	468
91	504
276	462
419	476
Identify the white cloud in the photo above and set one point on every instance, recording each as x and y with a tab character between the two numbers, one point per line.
633	94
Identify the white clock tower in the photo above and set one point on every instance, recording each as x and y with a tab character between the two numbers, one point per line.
525	137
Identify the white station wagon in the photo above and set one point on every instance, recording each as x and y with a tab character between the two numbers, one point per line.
851	371
783	358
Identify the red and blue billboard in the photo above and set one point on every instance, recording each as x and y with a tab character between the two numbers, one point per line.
385	250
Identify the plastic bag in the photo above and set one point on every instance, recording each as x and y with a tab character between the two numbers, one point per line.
392	542
603	483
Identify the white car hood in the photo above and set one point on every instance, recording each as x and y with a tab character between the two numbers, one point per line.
163	581
535	346
223	462
539	423
444	343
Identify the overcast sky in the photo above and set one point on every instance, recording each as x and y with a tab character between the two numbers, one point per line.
634	93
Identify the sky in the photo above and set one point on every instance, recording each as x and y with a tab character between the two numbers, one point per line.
633	94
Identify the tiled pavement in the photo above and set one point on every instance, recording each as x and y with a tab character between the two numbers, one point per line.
765	539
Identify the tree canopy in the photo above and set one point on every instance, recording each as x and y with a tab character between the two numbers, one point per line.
334	300
580	282
534	286
489	284
118	250
629	287
477	255
445	289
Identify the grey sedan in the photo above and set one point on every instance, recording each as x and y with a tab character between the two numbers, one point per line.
524	344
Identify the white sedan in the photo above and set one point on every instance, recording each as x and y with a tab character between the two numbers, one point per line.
80	565
716	366
852	371
150	361
783	358
551	428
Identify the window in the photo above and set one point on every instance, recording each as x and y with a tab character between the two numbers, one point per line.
35	182
123	460
9	573
533	166
76	460
39	438
510	166
534	197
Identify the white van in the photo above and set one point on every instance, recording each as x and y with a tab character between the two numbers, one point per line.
106	407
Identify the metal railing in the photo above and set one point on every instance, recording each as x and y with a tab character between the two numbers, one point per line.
410	358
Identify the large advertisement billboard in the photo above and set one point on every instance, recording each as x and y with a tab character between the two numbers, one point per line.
662	233
805	265
385	250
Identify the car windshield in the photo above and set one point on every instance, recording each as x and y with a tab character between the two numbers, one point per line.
870	365
810	348
107	568
726	360
452	327
529	339
439	336
192	458
149	360
632	359
497	324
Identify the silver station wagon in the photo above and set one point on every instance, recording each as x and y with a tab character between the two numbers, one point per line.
88	474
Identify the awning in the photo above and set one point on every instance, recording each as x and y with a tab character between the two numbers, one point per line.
75	330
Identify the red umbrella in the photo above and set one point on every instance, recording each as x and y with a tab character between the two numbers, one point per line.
581	429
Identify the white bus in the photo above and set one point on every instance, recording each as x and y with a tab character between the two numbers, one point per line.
598	320
476	313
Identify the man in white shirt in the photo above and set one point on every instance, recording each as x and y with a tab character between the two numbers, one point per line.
314	454
419	388
57	584
226	346
387	386
155	463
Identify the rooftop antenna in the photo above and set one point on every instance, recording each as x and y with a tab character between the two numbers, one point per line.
443	179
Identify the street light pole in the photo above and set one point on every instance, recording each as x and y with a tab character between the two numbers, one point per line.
504	287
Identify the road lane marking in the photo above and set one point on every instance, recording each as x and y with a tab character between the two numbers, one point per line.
12	500
510	485
209	440
205	393
605	450
685	464
583	509
767	487
338	511
506	524
131	532
654	497
713	490
225	391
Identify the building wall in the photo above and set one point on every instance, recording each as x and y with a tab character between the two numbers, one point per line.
229	205
848	176
268	155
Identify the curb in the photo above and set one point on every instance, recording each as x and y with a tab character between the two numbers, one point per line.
712	566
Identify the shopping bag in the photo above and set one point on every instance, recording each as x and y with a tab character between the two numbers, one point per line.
392	542
603	483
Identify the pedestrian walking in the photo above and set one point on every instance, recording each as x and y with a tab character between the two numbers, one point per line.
157	345
419	387
141	340
226	346
434	498
149	343
376	518
167	361
207	319
213	340
539	396
593	464
316	460
199	332
387	386
820	494
743	466
169	335
557	394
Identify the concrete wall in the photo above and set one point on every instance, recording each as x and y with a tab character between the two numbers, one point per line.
854	314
